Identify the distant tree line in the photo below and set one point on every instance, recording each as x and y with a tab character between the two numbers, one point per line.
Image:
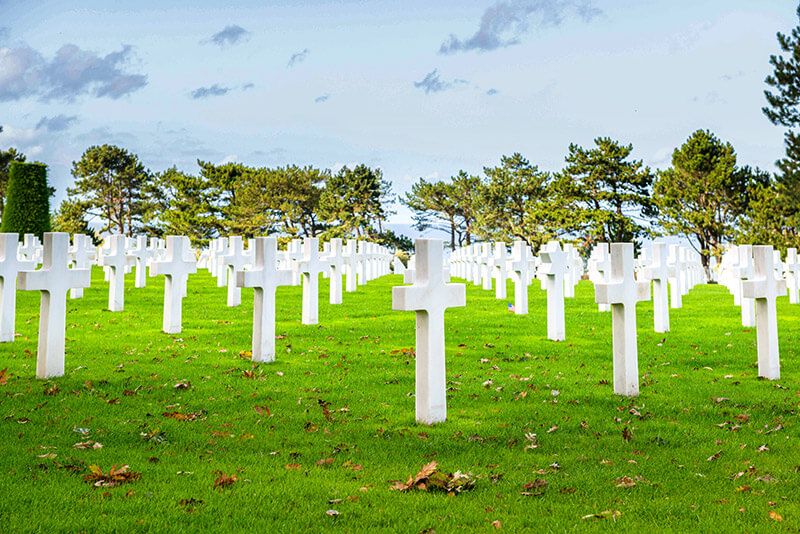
114	192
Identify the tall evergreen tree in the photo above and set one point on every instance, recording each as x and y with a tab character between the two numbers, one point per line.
703	195
356	201
781	226
71	218
182	207
224	184
435	206
294	197
609	195
446	206
513	203
110	185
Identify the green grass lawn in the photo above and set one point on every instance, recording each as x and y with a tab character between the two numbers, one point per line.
330	425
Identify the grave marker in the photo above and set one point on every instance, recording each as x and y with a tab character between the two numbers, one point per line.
764	289
622	292
429	297
554	266
115	259
10	267
176	268
53	280
264	277
658	272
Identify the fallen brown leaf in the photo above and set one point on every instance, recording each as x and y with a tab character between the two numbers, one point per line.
224	481
114	477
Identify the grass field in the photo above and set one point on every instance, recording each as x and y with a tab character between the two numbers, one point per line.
329	426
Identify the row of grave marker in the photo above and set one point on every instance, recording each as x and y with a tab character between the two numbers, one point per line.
620	282
262	267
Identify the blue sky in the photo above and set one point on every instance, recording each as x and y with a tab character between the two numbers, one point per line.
417	88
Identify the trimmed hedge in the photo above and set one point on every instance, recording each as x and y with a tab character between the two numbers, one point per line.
27	209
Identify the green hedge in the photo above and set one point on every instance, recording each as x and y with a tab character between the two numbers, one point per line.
27	209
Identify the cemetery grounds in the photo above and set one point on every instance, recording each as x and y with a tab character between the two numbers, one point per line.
316	440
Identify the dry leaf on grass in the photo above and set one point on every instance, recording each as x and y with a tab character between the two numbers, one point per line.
535	488
88	445
605	514
179	416
114	477
224	481
430	478
624	482
4	376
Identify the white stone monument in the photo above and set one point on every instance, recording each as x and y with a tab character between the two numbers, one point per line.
792	272
554	266
519	267
264	277
10	267
429	297
53	280
675	268
310	267
499	268
764	289
234	261
335	259
658	272
600	267
81	253
176	266
744	271
141	255
622	292
115	260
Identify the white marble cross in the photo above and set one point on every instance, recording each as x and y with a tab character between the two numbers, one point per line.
764	289
115	259
10	266
220	271
264	277
351	265
310	267
554	266
499	267
744	270
397	266
81	253
622	292
601	266
569	273
53	280
176	266
676	267
519	266
429	297
658	272
30	249
140	254
335	259
792	272
234	261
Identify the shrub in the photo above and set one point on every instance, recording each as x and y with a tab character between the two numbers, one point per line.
27	208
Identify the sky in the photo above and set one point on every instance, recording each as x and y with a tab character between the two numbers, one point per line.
416	88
